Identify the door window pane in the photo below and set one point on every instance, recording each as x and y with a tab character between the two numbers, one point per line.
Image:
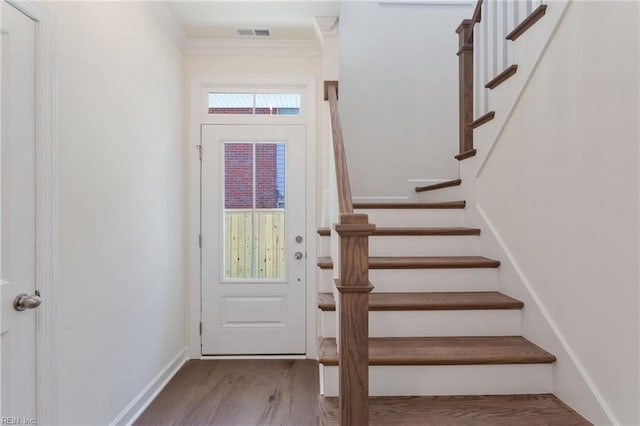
238	175
254	217
269	175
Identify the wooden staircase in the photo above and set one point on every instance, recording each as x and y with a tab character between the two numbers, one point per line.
434	343
437	355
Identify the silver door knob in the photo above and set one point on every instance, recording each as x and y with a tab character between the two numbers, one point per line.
298	255
23	301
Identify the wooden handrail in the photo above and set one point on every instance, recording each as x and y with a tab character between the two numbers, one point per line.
342	172
475	18
353	285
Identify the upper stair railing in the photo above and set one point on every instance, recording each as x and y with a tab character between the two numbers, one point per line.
351	272
486	58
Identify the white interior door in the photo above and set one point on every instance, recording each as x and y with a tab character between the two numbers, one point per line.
253	239
18	206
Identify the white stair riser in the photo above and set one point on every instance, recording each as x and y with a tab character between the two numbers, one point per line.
325	246
326	280
444	194
423	280
428	280
499	322
415	217
432	245
415	245
448	379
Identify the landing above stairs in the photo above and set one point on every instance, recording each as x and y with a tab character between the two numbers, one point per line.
495	410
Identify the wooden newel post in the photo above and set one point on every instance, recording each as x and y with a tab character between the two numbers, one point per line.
354	287
465	61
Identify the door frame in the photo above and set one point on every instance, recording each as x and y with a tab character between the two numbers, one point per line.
197	116
46	205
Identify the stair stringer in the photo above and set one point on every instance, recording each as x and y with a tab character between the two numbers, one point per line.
571	381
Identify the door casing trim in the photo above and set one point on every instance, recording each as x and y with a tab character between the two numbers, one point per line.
308	85
46	208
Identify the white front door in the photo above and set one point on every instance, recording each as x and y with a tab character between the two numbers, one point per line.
18	204
253	239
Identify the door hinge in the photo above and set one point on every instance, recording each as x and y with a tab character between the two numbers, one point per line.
199	151
201	328
200	240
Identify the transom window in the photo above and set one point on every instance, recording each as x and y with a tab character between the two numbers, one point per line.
239	103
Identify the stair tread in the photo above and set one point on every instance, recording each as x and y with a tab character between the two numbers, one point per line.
482	120
444	351
408	231
527	23
433	301
480	410
406	205
502	77
466	154
440	185
421	262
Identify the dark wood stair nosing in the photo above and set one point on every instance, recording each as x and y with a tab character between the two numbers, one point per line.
324	231
482	119
464	350
446	184
431	301
421	262
502	77
467	154
390	231
527	23
325	262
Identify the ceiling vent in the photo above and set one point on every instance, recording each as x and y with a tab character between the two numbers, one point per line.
246	32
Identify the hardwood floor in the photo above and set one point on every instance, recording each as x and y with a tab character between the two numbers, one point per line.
238	392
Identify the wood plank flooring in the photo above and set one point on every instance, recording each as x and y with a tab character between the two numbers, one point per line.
498	410
238	392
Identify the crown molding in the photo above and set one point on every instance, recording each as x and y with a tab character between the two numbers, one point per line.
166	20
232	47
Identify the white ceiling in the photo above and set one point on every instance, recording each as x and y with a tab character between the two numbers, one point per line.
287	20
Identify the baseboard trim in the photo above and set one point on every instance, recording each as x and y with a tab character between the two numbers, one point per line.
547	316
137	406
215	357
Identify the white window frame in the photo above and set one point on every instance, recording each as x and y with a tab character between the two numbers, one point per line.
272	87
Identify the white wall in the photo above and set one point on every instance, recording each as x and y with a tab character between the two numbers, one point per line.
561	189
121	275
399	93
